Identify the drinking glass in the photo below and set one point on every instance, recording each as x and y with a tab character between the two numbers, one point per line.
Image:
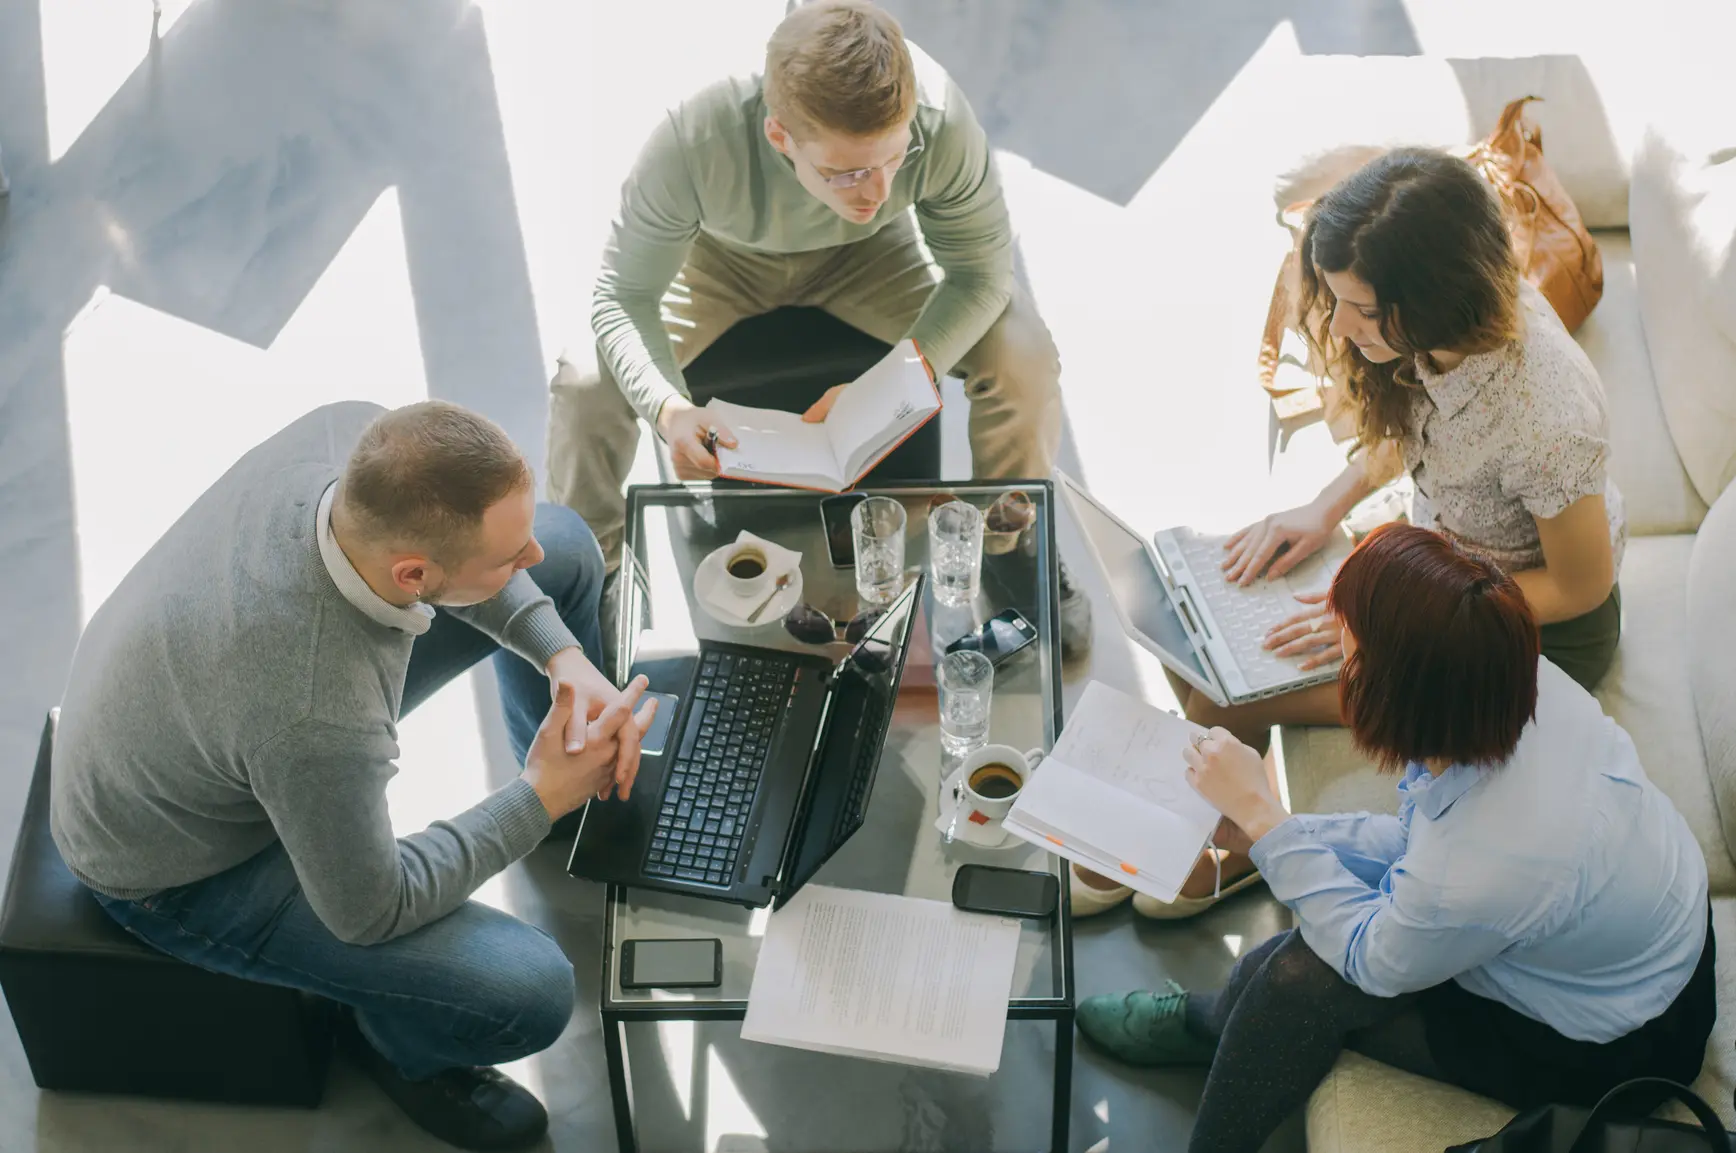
955	552
966	681
877	524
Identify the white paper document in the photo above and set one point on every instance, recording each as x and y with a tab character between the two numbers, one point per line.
872	415
1113	794
885	977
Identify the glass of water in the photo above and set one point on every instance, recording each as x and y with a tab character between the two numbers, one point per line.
877	524
955	552
966	681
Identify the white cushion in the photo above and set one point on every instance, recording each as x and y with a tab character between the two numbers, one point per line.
1647	690
1365	1107
1683	205
1392	100
1711	606
1659	496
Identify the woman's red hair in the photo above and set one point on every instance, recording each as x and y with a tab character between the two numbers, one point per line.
1445	660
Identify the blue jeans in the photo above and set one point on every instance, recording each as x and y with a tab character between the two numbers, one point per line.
476	987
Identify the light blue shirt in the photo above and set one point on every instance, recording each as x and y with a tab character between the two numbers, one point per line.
1562	884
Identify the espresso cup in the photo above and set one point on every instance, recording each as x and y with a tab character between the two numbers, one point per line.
993	777
747	571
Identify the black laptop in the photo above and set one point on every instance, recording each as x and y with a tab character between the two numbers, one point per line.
767	768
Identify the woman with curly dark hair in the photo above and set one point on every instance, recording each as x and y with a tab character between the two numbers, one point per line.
1413	298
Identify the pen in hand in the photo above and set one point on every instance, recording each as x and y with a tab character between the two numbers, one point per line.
711	439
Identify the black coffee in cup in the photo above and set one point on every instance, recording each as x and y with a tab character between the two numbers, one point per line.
995	781
746	566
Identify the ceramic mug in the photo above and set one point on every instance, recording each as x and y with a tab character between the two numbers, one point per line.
993	777
747	571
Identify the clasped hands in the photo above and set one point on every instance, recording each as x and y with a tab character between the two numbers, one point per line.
588	744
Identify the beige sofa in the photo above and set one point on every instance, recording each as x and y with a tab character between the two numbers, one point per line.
1662	196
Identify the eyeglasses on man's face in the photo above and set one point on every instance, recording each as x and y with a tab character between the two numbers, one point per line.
844	181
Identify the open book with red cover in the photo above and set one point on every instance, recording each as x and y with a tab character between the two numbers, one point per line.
874	414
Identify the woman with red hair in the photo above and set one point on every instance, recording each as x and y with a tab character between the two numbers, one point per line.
1533	925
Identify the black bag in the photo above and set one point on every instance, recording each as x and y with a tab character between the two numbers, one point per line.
1572	1129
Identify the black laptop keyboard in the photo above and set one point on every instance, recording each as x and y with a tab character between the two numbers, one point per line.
709	792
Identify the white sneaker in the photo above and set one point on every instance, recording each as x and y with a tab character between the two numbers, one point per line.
1088	901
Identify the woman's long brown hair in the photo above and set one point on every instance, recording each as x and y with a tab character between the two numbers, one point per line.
1424	231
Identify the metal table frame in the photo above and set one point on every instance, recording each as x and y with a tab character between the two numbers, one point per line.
617	1015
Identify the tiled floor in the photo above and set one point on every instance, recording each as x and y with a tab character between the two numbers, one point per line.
240	209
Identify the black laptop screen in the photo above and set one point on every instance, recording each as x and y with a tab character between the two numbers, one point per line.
861	710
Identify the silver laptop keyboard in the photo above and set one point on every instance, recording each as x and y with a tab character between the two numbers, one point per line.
1244	615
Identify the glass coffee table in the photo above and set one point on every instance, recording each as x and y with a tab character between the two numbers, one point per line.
670	529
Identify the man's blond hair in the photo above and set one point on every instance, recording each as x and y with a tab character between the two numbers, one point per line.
840	66
422	476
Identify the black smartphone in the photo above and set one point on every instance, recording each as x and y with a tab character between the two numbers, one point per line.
680	963
1011	892
835	516
1001	636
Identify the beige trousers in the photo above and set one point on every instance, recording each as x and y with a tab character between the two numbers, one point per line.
878	285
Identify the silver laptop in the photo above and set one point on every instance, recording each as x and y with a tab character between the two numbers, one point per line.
1171	596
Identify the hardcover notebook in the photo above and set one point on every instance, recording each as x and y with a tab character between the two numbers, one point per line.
1113	795
873	415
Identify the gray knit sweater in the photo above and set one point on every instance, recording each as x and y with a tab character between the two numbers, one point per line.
228	696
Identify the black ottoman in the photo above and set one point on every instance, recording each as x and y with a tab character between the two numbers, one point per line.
787	359
99	1010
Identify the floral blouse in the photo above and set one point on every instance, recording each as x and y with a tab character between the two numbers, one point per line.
1509	437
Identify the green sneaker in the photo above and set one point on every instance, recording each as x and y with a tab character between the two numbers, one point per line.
1143	1028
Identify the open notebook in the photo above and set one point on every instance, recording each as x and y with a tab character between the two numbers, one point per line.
1113	795
873	415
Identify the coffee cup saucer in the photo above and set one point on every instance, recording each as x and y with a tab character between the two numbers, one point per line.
973	828
714	594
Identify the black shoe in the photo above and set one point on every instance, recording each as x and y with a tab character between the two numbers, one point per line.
1075	619
480	1109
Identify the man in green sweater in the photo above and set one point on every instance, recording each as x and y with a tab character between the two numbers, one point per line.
230	724
818	183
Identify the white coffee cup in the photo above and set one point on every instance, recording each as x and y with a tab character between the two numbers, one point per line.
1002	788
741	558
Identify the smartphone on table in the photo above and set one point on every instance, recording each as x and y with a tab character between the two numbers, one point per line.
840	538
1001	636
678	963
1009	892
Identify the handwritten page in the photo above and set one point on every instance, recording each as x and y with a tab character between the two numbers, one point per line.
1113	794
1134	747
773	443
884	977
870	417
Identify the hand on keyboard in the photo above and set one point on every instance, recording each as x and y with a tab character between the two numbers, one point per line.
1313	631
1282	540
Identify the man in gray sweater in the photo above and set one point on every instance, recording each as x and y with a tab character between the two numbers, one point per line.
230	724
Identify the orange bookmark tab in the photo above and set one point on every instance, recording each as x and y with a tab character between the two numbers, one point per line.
1057	840
1127	868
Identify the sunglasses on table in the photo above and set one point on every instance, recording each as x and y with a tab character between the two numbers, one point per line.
813	627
